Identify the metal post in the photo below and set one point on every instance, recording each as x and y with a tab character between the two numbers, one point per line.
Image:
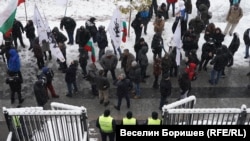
129	20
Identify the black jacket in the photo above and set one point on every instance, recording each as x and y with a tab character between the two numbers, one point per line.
68	23
165	87
70	75
123	87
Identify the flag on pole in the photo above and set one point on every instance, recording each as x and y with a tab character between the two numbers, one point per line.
8	15
40	25
45	34
89	47
178	43
114	28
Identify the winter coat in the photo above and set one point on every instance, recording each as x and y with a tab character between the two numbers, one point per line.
234	15
37	49
246	37
126	61
197	24
205	2
142	57
70	74
15	81
68	23
218	37
109	61
59	36
235	44
204	13
157	67
91	27
219	61
101	38
184	83
209	31
48	73
165	87
17	28
138	46
208	48
123	87
102	83
135	74
14	63
157	43
82	36
166	64
40	92
92	73
162	10
188	6
30	30
189	41
190	70
159	24
137	23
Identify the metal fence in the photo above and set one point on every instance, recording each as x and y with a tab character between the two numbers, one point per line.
35	124
184	113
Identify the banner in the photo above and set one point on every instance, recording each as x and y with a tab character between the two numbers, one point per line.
115	28
44	33
178	43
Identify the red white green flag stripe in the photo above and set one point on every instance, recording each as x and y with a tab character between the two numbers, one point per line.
7	16
89	47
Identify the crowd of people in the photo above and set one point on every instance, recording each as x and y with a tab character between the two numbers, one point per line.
134	66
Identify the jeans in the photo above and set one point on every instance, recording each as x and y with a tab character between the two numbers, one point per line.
69	86
215	76
137	89
120	101
71	36
162	101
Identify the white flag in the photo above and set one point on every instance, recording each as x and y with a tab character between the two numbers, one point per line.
44	33
40	25
115	27
178	43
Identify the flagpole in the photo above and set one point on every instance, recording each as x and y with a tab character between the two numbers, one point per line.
25	11
129	21
66	8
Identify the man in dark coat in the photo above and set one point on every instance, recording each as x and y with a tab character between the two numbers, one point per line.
41	92
17	31
82	37
246	38
157	45
60	40
123	87
69	24
15	81
135	77
185	85
233	47
30	32
102	41
137	25
197	24
103	86
90	25
70	78
138	46
165	89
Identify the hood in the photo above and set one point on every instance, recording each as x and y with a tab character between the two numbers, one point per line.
12	52
45	70
55	30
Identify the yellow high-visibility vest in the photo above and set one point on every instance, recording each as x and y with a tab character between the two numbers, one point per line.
152	121
106	124
127	121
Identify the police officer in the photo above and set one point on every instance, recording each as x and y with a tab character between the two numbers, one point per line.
129	119
106	124
153	120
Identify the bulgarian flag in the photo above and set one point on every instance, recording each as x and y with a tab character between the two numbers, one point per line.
89	47
124	31
8	15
